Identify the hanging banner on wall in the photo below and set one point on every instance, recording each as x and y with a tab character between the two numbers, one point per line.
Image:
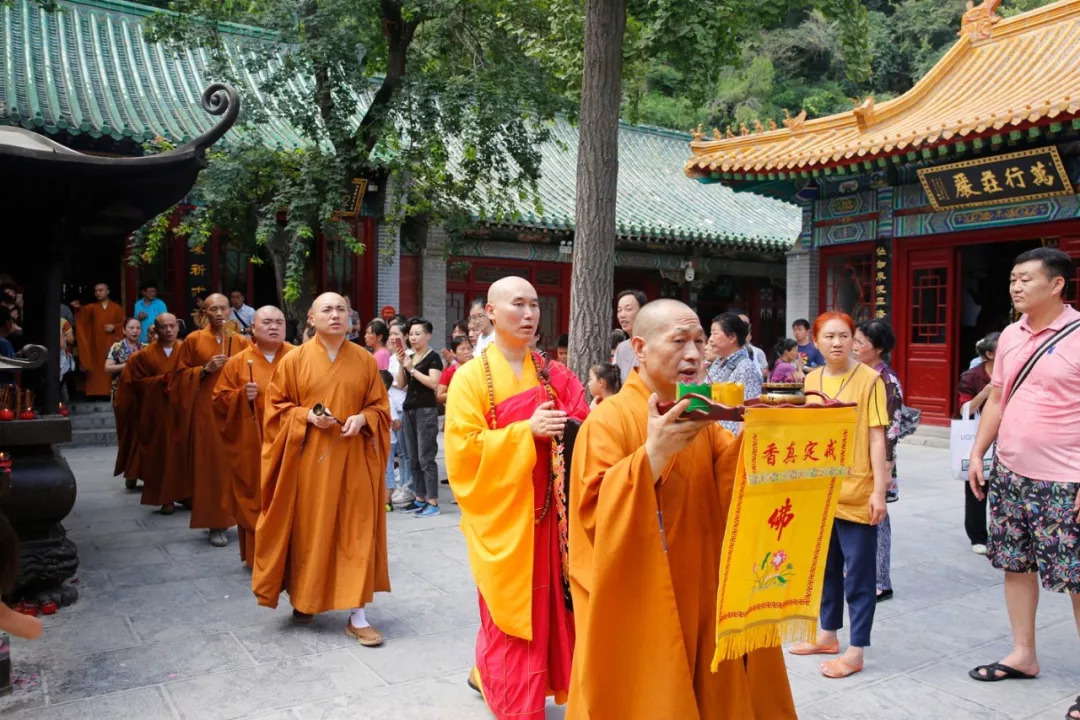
882	272
1013	177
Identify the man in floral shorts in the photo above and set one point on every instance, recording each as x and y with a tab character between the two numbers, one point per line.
1035	478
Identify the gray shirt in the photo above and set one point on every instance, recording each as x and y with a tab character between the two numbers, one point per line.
625	359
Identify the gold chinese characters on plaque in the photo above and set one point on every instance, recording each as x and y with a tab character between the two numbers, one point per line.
1013	177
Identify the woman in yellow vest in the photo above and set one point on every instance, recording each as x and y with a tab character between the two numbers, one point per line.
862	498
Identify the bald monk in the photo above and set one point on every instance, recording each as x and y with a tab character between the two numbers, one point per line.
201	452
645	595
239	399
502	412
149	372
321	534
97	327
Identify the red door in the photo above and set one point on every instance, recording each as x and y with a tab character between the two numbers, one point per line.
1071	246
932	332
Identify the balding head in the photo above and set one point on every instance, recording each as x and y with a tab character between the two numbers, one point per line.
330	315
268	328
167	328
216	307
514	309
668	341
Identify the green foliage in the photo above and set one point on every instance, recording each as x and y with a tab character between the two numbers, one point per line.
439	96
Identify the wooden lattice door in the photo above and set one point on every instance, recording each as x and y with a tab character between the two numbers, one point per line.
931	332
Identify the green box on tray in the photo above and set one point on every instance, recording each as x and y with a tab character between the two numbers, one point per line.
689	389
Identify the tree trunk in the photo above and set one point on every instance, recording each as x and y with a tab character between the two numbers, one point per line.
295	312
592	278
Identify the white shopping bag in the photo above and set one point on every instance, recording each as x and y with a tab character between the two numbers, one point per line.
962	439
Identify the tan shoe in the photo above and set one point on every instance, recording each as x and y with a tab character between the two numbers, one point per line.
366	636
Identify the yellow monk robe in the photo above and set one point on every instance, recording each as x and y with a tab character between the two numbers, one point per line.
201	454
149	373
500	473
126	411
321	534
240	423
646	619
94	342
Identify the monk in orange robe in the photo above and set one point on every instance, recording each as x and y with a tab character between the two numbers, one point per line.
239	401
97	327
649	496
505	414
321	534
149	372
201	452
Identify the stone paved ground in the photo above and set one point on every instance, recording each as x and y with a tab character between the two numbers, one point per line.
167	627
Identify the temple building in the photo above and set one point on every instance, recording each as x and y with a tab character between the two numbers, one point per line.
914	208
88	77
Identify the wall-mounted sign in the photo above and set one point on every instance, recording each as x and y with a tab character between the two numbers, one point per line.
356	199
1013	177
881	273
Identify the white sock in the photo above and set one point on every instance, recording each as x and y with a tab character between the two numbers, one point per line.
359	618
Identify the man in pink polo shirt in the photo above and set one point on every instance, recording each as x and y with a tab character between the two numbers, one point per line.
1035	477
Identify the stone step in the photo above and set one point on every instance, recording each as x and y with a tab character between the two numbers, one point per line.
92	421
929	436
87	408
92	437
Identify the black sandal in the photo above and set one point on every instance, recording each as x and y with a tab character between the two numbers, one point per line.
1074	708
990	673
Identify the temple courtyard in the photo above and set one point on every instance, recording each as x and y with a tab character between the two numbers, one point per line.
167	627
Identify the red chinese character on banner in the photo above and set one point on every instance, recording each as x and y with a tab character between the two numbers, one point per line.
808	451
830	449
790	457
770	453
781	517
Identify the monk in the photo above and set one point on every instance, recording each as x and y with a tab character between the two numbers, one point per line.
239	399
149	372
504	410
644	585
201	453
321	534
97	327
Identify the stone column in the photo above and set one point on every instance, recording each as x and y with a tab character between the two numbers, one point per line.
433	284
802	285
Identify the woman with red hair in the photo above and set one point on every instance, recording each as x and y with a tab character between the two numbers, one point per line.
862	498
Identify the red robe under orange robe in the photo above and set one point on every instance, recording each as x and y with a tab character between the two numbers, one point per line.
240	423
201	453
94	343
149	372
645	604
321	534
502	479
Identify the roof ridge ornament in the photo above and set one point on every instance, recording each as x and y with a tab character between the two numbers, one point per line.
218	99
864	113
978	21
796	123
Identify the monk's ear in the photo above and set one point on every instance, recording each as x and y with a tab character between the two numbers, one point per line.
638	344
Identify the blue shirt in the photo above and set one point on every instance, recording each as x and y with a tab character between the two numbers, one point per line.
814	358
6	350
155	308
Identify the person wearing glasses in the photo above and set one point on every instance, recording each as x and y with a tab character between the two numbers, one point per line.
481	331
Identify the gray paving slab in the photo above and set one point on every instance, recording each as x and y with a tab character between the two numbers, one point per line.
167	628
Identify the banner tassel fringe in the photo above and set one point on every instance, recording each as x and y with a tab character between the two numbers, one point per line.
732	646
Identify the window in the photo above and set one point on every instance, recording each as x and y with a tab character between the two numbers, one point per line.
929	305
338	267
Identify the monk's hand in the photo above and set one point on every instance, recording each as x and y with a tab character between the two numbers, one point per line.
878	508
546	421
353	425
214	364
252	391
320	421
669	433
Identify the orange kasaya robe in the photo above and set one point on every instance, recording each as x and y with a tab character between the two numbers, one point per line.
201	454
646	618
94	343
501	477
126	412
240	424
321	534
149	372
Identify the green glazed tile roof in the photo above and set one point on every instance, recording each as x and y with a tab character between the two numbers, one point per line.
88	69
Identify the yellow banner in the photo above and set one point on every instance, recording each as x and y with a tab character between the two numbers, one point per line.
778	527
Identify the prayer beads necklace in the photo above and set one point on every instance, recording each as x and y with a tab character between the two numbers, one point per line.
495	421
